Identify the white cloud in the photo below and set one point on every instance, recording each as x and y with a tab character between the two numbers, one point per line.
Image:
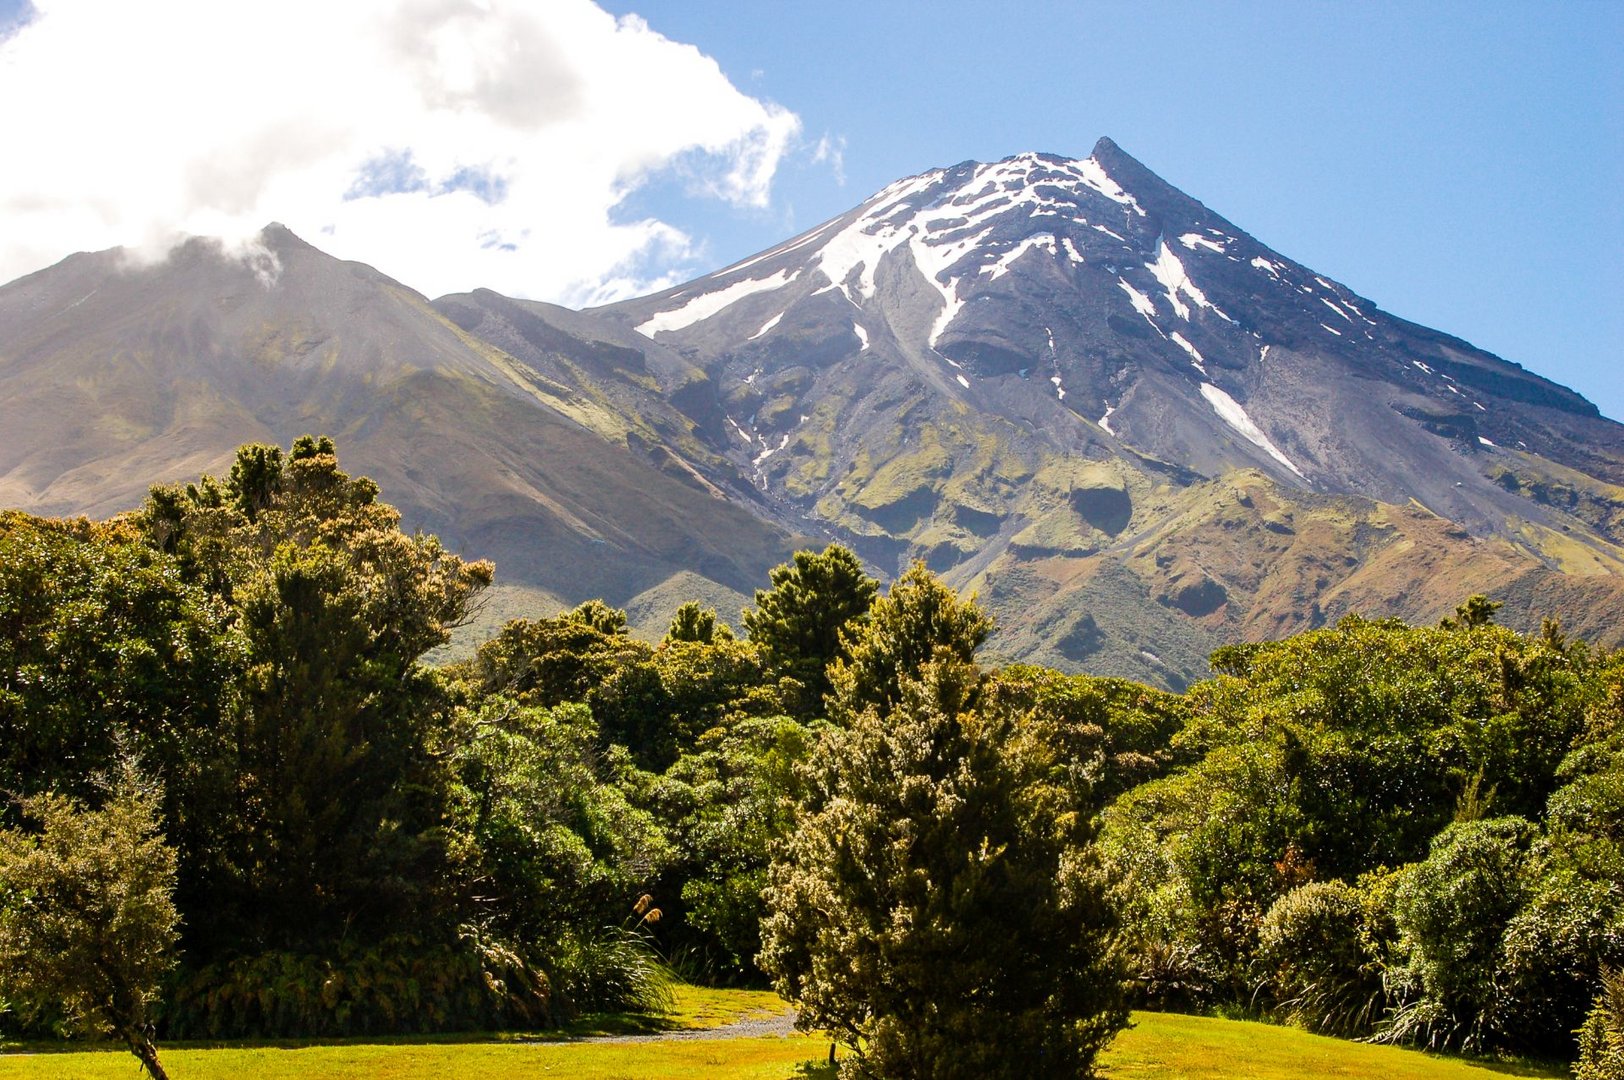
450	143
831	149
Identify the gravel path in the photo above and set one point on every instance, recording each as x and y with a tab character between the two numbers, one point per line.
756	1026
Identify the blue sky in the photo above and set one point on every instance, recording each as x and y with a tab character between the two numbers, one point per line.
1462	164
1458	163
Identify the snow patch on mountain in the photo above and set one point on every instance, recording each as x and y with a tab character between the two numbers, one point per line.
1001	267
766	327
1171	274
1141	302
1094	175
1054	361
770	451
1334	306
781	249
1195	357
950	295
707	304
1230	411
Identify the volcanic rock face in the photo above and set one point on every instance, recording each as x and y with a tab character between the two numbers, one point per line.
1135	429
1035	365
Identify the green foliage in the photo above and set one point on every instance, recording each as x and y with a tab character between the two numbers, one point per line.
1572	925
1601	1040
1313	948
102	644
545	824
728	800
691	622
1452	910
613	970
799	622
918	621
654	702
336	792
599	616
87	913
256	478
1475	611
1119	733
396	985
937	905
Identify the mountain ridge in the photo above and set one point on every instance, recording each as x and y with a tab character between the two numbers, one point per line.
1063	382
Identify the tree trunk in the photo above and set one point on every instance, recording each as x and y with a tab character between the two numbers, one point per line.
144	1050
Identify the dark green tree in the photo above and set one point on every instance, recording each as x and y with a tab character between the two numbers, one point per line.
936	904
1476	610
919	620
103	644
337	787
1452	910
727	801
798	622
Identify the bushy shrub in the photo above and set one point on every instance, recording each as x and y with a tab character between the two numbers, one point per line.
1314	961
1452	910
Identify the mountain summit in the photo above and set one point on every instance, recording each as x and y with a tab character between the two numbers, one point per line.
1044	363
1137	430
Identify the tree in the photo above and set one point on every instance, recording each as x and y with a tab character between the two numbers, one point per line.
336	784
936	903
727	801
798	622
87	912
691	622
598	615
1475	611
918	620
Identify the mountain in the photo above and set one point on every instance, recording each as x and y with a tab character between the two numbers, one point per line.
1136	430
114	376
1134	427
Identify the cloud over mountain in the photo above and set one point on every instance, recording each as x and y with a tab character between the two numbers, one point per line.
452	143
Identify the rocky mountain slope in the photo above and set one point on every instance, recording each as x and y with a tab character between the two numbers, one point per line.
1135	429
114	376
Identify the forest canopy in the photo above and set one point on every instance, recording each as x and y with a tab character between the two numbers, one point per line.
1413	834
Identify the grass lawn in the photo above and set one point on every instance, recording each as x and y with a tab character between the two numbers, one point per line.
1160	1046
1165	1046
